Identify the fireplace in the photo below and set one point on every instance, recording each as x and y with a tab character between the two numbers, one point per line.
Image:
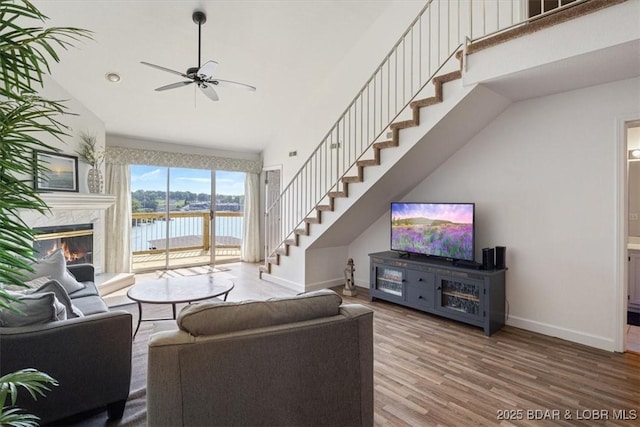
76	242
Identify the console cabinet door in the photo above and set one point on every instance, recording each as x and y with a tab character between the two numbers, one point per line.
388	281
461	299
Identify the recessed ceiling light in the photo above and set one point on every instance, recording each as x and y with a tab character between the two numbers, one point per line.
113	77
635	154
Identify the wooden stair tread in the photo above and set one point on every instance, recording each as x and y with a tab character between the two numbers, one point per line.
448	77
292	242
403	124
336	194
369	162
301	231
324	208
384	144
425	102
354	178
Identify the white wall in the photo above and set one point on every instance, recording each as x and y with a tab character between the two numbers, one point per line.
319	110
543	177
81	121
316	272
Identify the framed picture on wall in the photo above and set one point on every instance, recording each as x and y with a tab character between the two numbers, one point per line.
55	171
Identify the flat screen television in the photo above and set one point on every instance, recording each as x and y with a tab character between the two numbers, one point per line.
444	230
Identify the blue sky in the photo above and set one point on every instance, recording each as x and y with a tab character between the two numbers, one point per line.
194	180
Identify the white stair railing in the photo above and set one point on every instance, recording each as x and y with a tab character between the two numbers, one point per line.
432	39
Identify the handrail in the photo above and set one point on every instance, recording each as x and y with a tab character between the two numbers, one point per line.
403	73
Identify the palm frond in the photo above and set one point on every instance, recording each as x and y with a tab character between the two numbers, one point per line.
26	52
14	417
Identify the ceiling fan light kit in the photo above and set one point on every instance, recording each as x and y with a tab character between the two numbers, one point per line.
202	75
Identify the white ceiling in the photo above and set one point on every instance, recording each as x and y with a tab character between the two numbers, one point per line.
284	48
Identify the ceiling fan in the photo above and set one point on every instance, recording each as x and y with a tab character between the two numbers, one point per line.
202	75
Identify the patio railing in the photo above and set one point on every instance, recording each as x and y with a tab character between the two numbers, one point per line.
187	231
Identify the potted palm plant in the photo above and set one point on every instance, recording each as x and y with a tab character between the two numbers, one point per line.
26	50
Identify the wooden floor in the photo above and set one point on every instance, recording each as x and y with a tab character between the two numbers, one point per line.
430	371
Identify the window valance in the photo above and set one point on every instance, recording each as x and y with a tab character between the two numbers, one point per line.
133	156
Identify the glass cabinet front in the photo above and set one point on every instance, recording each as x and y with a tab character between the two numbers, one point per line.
463	297
389	280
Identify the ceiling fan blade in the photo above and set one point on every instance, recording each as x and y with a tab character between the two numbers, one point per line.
174	85
206	71
168	70
208	90
229	83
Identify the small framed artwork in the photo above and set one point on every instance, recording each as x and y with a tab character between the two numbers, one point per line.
55	171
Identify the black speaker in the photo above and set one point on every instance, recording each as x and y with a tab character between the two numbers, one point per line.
487	258
500	257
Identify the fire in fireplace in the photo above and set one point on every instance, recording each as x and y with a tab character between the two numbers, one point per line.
76	242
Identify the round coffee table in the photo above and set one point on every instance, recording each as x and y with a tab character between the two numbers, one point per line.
175	290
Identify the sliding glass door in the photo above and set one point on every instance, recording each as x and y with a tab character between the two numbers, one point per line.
189	225
229	215
176	224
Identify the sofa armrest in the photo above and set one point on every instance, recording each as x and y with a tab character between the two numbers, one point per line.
90	357
82	272
353	311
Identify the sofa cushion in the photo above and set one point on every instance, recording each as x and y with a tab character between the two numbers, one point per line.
55	267
91	304
36	309
62	296
212	318
89	289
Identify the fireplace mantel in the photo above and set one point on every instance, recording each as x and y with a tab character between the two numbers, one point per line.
74	201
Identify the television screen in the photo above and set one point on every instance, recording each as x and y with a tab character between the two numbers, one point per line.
435	229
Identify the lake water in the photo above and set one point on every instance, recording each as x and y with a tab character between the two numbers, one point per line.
178	227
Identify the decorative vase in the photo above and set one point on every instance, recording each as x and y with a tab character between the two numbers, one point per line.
94	180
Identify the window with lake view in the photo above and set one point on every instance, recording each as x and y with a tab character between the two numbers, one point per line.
172	215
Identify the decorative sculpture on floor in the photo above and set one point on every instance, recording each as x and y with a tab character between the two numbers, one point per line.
349	285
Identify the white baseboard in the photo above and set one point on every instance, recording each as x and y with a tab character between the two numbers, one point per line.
309	287
283	282
572	335
324	284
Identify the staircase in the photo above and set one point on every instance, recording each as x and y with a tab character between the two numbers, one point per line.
396	98
341	190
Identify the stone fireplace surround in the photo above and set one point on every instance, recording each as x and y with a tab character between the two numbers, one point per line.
76	208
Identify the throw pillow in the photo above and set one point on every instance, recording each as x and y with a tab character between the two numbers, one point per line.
55	267
61	295
37	282
31	284
35	309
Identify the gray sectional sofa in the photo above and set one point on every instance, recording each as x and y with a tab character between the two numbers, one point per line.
89	356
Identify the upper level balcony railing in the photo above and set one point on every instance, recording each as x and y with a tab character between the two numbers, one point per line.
189	236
